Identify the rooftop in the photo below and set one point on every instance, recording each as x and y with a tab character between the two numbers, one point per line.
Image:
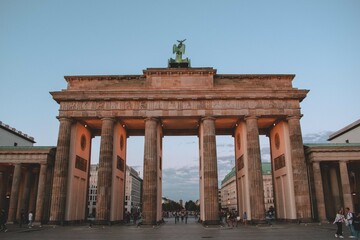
16	132
265	166
331	145
344	129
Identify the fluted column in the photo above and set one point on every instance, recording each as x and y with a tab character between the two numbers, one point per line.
61	167
210	176
335	182
345	184
14	198
41	193
103	202
33	191
254	169
300	176
3	187
319	191
150	172
25	198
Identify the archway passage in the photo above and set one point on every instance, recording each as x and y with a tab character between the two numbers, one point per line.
175	102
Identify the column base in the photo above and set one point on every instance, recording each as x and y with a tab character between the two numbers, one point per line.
257	221
211	222
60	223
101	222
38	223
152	223
302	220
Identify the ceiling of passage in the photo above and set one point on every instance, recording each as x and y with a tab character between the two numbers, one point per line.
181	126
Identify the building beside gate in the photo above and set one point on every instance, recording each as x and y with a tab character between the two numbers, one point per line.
26	174
228	195
9	136
133	190
92	190
334	172
228	189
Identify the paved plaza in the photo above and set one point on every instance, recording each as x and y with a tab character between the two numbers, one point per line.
180	231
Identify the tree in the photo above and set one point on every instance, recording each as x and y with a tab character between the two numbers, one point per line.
191	206
171	206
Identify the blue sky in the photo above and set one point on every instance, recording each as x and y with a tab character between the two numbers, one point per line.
42	41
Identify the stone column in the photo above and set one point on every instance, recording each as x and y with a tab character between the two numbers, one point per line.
150	172
300	176
345	183
4	181
254	168
335	182
59	189
25	198
14	193
33	191
319	191
41	193
210	176
103	202
48	190
3	187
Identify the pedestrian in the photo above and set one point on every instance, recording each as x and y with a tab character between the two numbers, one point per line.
237	218
232	218
186	217
339	219
30	219
227	217
356	224
349	222
270	215
245	218
135	217
3	219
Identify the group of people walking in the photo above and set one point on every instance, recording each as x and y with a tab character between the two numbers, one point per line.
183	215
232	218
23	219
351	220
134	216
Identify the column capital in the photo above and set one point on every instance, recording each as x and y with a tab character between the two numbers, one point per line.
315	163
250	117
156	119
207	118
107	119
65	119
344	161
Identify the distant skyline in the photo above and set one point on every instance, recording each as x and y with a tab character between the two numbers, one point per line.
42	41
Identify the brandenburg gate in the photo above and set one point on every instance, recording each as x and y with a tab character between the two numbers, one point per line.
176	101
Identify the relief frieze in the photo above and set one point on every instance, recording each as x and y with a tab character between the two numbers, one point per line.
129	105
201	104
143	105
173	105
177	105
186	105
115	105
100	105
